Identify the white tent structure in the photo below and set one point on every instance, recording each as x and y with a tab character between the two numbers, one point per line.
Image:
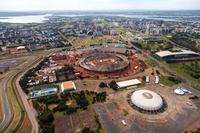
147	100
128	83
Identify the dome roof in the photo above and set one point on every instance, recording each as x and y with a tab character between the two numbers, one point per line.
147	100
179	92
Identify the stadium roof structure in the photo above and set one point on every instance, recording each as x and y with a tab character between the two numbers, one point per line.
68	86
104	62
147	100
128	83
180	52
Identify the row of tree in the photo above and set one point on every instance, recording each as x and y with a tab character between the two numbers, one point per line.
185	40
30	73
193	69
112	85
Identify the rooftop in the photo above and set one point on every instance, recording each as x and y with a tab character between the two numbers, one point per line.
68	85
147	100
128	83
168	53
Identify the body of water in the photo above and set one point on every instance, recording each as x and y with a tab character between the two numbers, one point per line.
25	19
42	17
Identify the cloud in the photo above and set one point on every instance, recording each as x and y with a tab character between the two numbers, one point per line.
97	4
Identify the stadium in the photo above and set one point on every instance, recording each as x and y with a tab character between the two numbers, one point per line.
104	62
147	101
107	63
101	62
178	55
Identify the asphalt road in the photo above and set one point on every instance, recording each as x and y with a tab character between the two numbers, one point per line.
6	109
29	109
7	114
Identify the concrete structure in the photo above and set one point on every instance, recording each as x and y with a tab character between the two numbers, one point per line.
104	62
182	91
17	50
147	100
21	48
44	92
157	79
128	83
68	86
147	79
178	55
179	92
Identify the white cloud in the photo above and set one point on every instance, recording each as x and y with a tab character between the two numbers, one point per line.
97	4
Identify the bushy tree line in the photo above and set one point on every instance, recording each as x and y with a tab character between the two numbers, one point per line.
30	73
185	40
174	80
45	116
46	119
193	69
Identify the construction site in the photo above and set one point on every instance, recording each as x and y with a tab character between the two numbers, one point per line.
100	62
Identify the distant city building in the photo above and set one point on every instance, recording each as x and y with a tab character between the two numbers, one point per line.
17	50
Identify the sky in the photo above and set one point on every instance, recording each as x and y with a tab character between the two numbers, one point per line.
30	5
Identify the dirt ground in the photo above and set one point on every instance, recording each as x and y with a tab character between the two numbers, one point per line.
179	115
74	123
26	127
1	113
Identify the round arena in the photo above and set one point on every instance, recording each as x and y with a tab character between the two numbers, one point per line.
147	101
104	62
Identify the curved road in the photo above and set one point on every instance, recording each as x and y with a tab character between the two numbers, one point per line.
29	110
7	114
6	109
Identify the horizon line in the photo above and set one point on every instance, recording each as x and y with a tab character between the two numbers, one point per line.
106	10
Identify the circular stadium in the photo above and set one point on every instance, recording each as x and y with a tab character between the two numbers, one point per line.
104	62
147	101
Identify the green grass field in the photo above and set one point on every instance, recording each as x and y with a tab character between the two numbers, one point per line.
166	81
150	63
178	67
87	41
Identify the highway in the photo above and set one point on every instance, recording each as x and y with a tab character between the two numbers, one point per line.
19	71
6	109
7	114
29	109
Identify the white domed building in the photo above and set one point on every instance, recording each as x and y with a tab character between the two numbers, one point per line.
147	100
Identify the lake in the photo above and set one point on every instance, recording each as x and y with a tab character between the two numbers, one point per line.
26	19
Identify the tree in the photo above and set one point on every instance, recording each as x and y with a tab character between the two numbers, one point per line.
113	85
87	130
36	105
61	106
81	99
101	97
47	128
143	78
46	117
173	79
103	85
